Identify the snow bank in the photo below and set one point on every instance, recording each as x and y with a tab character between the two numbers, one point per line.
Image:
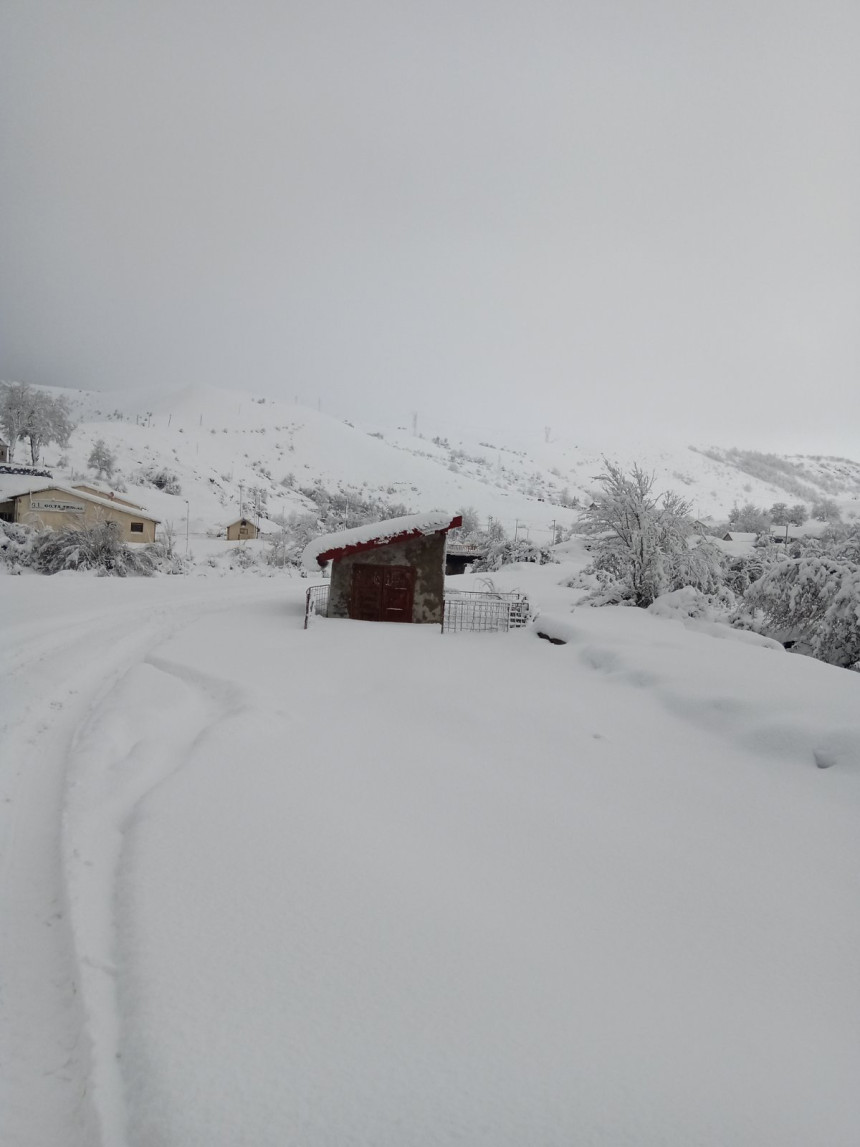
744	687
691	608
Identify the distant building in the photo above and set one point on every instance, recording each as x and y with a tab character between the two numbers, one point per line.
387	571
49	505
739	536
4	451
241	529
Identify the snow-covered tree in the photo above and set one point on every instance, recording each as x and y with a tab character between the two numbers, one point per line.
640	538
288	541
749	518
783	515
102	459
31	415
826	510
471	523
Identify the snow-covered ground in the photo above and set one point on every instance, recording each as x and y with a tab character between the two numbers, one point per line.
368	884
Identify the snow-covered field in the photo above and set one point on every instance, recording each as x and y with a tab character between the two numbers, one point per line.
366	884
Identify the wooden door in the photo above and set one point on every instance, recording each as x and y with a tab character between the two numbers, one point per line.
398	590
382	593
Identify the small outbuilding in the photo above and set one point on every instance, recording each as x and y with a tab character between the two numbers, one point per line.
386	571
241	529
4	452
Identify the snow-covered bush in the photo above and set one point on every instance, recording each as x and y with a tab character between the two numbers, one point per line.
683	603
703	567
16	546
159	477
505	552
814	599
98	547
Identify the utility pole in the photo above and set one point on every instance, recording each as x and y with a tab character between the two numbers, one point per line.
553	532
187	524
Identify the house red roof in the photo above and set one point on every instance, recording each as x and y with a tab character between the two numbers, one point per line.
332	547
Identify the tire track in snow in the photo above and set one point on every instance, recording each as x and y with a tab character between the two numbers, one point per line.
139	736
52	675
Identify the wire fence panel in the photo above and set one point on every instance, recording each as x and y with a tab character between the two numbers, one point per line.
316	601
484	612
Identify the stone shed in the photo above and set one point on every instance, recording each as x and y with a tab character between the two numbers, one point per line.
387	571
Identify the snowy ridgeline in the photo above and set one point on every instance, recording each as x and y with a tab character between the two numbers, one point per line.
208	456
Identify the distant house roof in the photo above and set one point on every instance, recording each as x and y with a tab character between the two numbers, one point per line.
14	486
739	536
330	547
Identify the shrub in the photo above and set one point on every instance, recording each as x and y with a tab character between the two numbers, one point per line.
98	547
159	477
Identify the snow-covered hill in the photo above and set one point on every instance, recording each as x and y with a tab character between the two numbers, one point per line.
229	449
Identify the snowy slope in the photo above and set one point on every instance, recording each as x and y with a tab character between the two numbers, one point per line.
221	444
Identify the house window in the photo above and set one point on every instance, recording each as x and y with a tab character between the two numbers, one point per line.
136	527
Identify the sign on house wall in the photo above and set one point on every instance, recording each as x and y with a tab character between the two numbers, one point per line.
56	506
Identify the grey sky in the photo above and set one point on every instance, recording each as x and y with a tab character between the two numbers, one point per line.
611	213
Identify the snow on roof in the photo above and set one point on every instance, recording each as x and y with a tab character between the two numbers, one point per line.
14	486
740	536
322	549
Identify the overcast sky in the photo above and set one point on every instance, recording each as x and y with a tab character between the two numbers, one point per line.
640	214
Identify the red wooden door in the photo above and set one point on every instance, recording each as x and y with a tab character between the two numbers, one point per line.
398	589
382	593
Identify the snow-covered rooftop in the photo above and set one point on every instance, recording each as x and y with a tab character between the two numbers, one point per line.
322	549
14	485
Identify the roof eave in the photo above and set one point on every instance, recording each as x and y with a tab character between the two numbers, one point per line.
377	543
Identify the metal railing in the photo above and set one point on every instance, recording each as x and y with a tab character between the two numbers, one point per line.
484	611
478	611
316	601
